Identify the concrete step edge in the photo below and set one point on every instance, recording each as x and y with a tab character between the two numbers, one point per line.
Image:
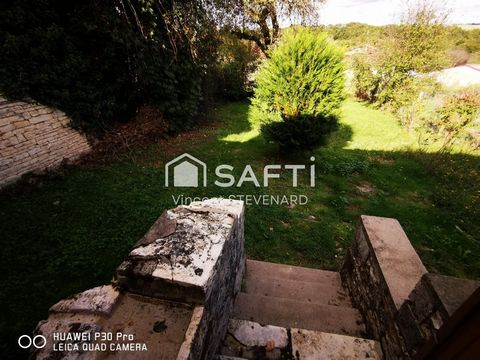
290	313
290	272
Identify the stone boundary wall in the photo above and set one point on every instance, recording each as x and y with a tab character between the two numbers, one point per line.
402	304
34	137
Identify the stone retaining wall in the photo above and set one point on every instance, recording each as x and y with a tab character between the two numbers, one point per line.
34	137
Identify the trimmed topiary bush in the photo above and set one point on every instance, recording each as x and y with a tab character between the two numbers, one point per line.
300	88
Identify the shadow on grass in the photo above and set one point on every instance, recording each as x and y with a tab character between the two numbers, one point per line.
70	234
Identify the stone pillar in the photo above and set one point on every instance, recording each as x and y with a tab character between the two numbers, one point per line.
192	254
175	291
380	271
403	306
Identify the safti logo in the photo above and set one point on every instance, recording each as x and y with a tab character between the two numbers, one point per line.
186	173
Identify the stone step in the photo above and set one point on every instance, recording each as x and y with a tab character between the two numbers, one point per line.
252	341
290	313
315	345
269	270
325	293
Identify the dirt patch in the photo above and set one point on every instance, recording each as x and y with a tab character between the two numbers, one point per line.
366	188
147	126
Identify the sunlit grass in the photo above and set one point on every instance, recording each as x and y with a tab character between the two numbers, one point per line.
374	129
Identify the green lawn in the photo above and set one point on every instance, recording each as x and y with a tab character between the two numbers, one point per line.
71	233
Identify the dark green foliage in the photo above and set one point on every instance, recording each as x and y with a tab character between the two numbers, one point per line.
99	61
300	88
236	60
301	131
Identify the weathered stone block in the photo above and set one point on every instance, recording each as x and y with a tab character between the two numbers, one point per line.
403	306
449	292
400	265
430	305
180	257
40	118
409	327
140	328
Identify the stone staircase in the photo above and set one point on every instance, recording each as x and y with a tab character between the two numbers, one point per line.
186	292
287	312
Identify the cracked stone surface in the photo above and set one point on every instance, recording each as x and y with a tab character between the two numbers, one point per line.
251	340
192	254
188	255
164	327
179	257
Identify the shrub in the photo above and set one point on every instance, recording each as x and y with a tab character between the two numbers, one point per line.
299	89
457	112
450	121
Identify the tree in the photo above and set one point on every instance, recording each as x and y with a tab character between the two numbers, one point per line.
259	20
389	76
419	43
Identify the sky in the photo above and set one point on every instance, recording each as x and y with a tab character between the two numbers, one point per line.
381	12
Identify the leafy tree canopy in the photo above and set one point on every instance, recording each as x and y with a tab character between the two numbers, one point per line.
259	20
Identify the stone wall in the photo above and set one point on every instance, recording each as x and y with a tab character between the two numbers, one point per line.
430	305
175	290
403	306
34	137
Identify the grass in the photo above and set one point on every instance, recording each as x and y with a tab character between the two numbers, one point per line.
71	232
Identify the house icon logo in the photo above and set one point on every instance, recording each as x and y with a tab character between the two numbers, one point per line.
186	171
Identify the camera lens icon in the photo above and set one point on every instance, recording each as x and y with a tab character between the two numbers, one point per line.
38	341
